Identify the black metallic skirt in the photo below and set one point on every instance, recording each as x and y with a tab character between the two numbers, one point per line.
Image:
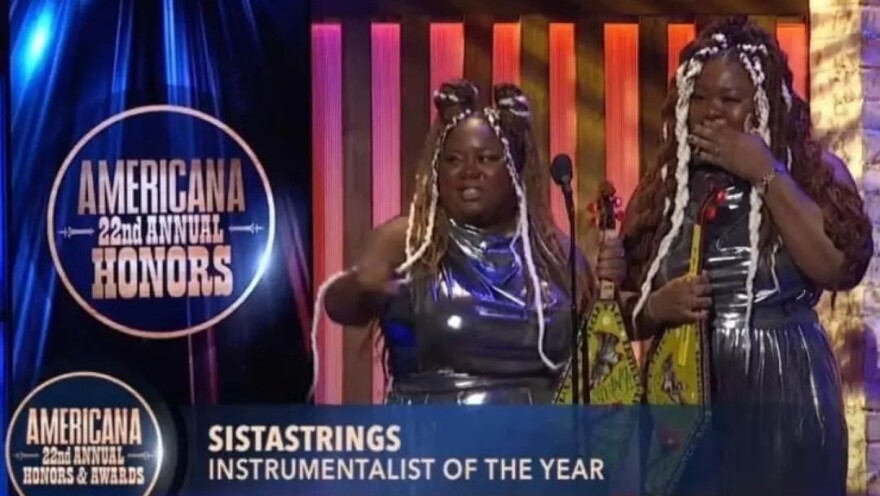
463	389
778	424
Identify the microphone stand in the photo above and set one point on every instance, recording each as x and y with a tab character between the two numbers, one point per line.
572	266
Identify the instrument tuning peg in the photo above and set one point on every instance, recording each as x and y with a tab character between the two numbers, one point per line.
711	212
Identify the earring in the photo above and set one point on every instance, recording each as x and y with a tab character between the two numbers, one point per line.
750	125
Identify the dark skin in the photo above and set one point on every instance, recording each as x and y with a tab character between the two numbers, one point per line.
721	111
475	189
473	181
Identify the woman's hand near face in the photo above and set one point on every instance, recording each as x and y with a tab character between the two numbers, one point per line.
744	155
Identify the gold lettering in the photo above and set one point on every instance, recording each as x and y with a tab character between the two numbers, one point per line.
84	426
236	201
86	204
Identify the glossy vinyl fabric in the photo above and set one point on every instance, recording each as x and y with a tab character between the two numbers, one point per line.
469	335
779	426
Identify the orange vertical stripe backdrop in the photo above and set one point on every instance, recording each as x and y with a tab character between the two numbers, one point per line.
794	41
327	195
506	53
447	47
447	55
563	110
678	36
385	69
622	107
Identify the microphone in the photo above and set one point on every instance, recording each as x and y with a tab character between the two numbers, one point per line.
561	171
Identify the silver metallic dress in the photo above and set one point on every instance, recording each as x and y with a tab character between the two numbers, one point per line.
778	420
469	335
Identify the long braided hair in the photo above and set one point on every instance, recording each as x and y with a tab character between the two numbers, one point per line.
543	256
782	119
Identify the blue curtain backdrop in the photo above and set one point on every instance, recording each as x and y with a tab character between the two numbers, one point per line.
5	363
75	63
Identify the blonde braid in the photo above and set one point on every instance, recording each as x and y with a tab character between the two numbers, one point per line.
523	233
762	111
685	77
412	256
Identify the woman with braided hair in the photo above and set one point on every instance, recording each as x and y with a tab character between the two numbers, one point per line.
470	289
791	226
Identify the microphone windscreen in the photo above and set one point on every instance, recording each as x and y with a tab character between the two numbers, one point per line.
560	169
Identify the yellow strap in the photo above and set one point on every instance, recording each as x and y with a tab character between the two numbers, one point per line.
693	267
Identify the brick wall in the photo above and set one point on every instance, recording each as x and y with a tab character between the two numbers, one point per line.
845	101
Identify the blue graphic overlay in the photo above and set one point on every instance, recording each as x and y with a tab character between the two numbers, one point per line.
75	64
481	450
172	215
5	363
84	433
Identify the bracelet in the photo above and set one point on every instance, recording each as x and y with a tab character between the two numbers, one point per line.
768	178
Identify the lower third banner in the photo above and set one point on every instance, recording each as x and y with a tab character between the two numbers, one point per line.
410	450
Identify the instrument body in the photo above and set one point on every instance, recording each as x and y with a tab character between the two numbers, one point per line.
614	377
678	376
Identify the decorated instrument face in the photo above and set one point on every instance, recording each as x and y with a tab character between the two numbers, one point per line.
679	371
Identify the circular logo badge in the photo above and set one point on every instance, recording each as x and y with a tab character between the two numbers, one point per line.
160	221
84	433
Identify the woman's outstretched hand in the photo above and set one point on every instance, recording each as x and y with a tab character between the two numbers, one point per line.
384	252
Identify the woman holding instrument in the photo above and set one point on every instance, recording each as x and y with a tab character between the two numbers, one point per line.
791	226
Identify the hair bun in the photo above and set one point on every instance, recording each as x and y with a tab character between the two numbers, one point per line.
455	97
510	98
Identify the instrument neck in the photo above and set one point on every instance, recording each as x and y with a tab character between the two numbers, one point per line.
607	289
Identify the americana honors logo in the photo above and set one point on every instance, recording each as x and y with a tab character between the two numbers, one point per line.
84	433
161	221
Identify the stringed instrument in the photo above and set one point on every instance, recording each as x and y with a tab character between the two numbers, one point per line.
678	375
614	377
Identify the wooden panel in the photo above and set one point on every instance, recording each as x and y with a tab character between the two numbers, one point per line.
653	36
478	53
622	106
590	61
536	78
680	34
563	112
766	22
506	50
327	190
574	9
793	39
415	75
386	115
447	55
357	377
703	21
